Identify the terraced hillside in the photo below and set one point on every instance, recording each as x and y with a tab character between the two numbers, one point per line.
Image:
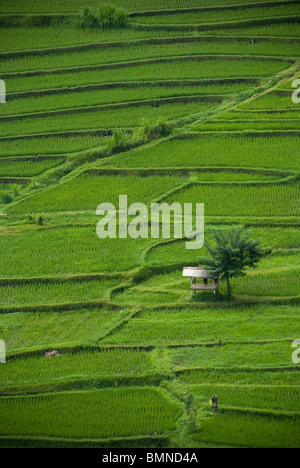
192	101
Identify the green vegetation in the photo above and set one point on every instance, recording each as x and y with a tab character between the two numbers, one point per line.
140	50
106	17
95	189
117	94
159	69
245	377
281	115
232	356
255	200
270	283
71	250
27	330
250	397
160	333
55	292
247	125
285	28
164	101
215	150
113	413
49	144
105	118
220	15
92	364
27	167
231	253
249	430
286	238
40	6
270	101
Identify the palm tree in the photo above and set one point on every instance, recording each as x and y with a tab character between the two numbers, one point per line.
232	251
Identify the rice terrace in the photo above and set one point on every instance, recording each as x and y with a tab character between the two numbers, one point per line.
141	342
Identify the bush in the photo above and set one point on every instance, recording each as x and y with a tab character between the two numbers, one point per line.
6	197
16	190
37	218
145	131
162	127
108	17
87	19
111	17
120	141
120	18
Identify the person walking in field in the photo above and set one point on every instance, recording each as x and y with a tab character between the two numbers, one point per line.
214	403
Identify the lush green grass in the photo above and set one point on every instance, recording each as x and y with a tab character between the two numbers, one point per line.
55	292
162	70
233	356
271	101
274	29
276	237
131	5
288	84
284	259
239	312
28	38
27	167
227	176
23	38
136	296
276	276
271	283
62	251
104	118
95	189
79	365
250	125
281	115
279	398
278	152
5	187
272	237
62	58
219	16
26	330
153	331
249	431
259	200
122	93
50	145
173	332
97	414
171	252
239	377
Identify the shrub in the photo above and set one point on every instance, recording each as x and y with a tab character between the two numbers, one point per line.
16	190
120	18
87	19
111	17
162	127
144	131
37	218
108	17
6	197
120	141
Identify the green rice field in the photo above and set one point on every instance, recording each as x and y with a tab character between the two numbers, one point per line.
187	102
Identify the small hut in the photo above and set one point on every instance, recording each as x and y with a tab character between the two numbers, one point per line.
208	283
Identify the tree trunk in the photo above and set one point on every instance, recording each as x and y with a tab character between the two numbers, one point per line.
228	286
